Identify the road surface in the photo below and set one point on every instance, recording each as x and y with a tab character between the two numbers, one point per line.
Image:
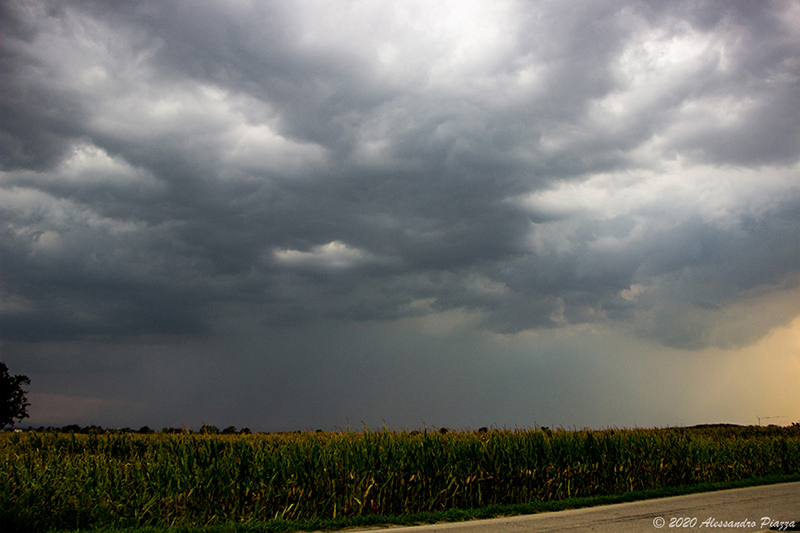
740	510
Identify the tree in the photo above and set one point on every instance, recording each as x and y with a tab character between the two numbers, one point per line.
13	403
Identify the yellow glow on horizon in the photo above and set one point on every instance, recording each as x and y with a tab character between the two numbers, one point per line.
768	373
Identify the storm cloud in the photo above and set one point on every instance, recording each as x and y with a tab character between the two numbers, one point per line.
170	170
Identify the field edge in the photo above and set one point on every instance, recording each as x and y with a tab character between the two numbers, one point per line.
453	515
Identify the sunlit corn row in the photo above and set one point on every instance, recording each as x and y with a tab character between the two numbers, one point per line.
56	480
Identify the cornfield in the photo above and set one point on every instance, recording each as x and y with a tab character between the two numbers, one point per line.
56	480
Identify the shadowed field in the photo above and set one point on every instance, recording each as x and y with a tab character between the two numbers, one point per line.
56	480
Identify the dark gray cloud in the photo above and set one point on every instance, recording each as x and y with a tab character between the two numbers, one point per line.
170	169
172	110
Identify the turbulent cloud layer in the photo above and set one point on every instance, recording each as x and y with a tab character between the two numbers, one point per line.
167	167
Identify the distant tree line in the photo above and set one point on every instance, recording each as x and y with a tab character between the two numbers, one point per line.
144	430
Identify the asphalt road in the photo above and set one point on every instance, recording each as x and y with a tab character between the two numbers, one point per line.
748	509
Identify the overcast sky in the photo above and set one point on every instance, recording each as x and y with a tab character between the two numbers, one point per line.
308	214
